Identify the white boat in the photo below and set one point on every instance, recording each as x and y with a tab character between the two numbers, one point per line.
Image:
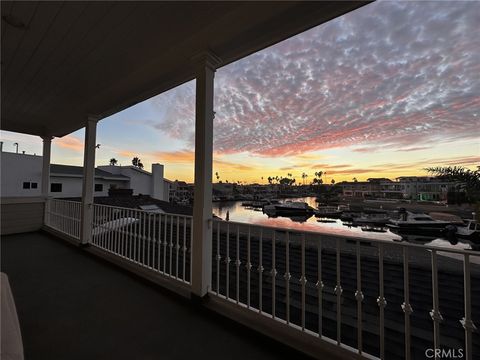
469	230
372	217
289	207
414	221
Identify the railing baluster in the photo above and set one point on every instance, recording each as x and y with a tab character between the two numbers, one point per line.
381	301
218	258
359	298
249	267
227	264
165	245
177	247
170	245
149	239
320	286
159	242
406	307
435	313
144	237
274	274
287	276
191	247
184	247
303	280
260	271
338	291
237	264
467	322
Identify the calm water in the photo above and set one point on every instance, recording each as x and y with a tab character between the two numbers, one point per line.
246	215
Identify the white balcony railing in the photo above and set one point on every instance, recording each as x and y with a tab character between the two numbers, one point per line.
380	299
157	241
376	298
63	216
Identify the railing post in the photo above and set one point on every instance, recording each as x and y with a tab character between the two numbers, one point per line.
202	208
88	180
46	154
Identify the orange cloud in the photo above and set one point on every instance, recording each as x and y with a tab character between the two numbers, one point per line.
70	142
127	153
181	156
233	166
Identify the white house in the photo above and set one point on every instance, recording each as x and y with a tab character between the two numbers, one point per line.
21	175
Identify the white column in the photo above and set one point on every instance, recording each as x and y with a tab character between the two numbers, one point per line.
202	208
47	147
88	180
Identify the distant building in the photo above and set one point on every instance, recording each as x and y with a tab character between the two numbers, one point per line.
419	188
180	191
22	176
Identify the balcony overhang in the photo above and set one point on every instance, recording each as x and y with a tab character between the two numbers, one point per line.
64	61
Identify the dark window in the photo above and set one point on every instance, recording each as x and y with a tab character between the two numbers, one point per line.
34	185
26	185
56	187
98	187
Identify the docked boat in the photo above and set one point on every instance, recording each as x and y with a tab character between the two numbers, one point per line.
332	212
289	207
372	217
469	230
409	221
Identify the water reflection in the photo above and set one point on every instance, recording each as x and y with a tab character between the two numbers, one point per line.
237	212
304	223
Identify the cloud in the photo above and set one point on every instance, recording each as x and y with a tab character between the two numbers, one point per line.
343	84
69	142
175	157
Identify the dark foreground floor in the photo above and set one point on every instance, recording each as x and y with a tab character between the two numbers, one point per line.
73	306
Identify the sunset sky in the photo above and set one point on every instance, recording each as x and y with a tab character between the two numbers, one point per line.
383	91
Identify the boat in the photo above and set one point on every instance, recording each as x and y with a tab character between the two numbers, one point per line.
372	217
333	212
410	221
289	207
378	229
470	229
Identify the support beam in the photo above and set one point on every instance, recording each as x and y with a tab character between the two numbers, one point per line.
202	207
47	149
88	180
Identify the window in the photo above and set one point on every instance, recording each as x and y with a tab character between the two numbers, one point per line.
56	187
34	185
98	187
26	185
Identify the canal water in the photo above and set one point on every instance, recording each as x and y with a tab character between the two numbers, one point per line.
239	213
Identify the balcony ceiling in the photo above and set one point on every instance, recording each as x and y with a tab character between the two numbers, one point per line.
61	61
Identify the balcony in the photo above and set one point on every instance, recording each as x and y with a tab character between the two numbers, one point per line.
74	306
318	293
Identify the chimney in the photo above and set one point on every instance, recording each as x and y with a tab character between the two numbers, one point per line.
157	182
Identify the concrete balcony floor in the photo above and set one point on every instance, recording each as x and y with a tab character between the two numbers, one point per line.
72	305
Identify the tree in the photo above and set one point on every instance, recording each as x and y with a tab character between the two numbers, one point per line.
469	180
217	176
113	161
333	181
355	179
304	176
137	162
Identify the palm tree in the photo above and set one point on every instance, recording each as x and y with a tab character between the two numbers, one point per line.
333	181
217	176
469	179
355	179
113	161
137	162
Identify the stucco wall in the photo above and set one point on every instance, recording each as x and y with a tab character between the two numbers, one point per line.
17	169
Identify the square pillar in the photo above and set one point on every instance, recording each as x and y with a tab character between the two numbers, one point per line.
88	180
202	206
47	150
